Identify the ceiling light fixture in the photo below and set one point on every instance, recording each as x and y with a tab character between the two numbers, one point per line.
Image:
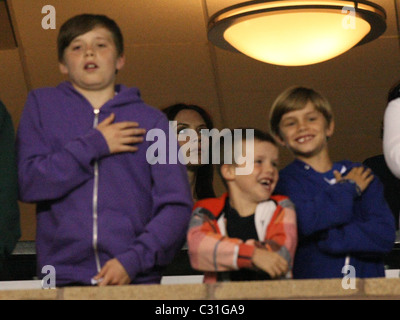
297	32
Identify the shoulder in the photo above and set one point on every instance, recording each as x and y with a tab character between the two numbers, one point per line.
349	164
214	205
47	93
295	166
283	201
393	105
284	209
392	113
132	96
286	171
155	114
42	100
292	173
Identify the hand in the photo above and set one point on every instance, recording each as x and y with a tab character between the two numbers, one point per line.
360	175
270	262
113	273
121	136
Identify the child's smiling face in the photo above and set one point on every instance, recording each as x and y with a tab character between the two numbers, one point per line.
305	131
260	183
91	60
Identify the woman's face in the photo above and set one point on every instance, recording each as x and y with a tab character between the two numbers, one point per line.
191	122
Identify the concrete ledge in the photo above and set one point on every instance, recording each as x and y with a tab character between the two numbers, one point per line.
32	294
285	289
388	289
366	289
139	292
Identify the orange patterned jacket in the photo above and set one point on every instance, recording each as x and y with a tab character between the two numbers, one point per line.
211	250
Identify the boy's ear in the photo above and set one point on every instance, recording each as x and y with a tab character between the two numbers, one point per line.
228	172
120	62
63	68
279	140
330	129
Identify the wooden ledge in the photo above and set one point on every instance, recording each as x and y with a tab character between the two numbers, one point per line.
376	288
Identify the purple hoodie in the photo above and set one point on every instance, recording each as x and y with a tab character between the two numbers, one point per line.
93	206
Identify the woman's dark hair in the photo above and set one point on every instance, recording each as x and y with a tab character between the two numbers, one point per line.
83	23
204	175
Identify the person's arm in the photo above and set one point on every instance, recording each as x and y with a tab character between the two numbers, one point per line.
46	173
209	250
330	206
9	209
391	136
372	232
165	234
282	232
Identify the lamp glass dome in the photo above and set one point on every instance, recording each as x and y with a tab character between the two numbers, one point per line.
296	33
296	38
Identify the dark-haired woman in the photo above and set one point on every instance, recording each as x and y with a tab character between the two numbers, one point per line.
200	173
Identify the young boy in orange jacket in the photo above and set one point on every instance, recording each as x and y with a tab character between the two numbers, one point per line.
246	234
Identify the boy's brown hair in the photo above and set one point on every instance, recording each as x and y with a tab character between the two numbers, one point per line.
258	135
83	23
295	98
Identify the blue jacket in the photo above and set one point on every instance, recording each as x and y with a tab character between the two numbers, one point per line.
335	223
93	206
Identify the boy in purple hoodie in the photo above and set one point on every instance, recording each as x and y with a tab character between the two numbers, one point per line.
105	214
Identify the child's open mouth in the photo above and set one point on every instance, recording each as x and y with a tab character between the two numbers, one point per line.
90	66
304	139
266	183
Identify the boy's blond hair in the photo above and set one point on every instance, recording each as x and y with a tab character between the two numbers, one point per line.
295	98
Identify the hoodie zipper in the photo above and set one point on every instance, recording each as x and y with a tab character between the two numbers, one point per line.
95	200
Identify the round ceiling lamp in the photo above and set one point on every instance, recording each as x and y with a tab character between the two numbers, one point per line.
296	33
